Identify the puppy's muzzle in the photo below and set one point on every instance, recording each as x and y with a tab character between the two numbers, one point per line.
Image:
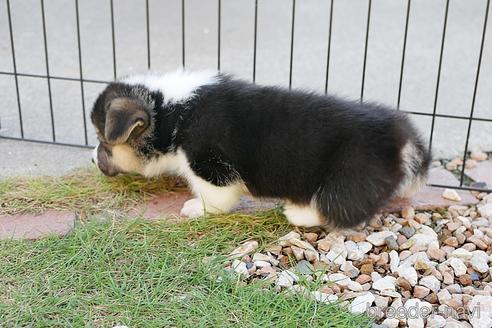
100	157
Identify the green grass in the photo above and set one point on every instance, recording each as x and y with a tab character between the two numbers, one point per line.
140	273
84	190
150	274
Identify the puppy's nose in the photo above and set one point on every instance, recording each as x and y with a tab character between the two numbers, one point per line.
92	160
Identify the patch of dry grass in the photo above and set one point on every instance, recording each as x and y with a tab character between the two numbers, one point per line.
84	190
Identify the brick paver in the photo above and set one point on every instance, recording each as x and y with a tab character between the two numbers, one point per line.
166	205
34	226
481	173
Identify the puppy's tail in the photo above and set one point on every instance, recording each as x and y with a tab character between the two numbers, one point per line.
415	161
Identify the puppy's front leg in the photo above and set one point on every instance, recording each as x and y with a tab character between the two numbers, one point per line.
210	198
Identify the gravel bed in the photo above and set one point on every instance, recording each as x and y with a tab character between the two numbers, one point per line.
408	269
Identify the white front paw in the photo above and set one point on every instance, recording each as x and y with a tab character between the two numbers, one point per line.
192	208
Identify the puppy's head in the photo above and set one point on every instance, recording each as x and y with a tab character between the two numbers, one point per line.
122	117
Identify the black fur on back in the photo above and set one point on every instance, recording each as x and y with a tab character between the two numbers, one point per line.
298	145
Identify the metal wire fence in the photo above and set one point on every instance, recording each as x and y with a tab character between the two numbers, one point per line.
82	80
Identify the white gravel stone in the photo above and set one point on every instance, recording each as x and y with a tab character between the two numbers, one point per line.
479	261
391	323
426	230
443	296
246	248
454	289
436	321
458	266
323	297
354	286
350	245
378	238
375	276
415	310
478	155
478	233
409	273
260	257
240	268
451	195
339	279
462	254
361	303
364	246
290	235
355	255
347	266
390	293
424	240
482	254
301	244
394	260
410	261
337	258
286	278
353	251
431	282
262	264
385	283
311	255
488	199
485	210
465	221
453	323
480	307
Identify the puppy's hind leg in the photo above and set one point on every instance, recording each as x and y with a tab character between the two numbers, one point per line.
303	215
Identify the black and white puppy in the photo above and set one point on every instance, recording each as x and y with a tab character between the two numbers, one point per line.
334	162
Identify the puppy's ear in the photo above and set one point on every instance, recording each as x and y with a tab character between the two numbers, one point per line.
126	118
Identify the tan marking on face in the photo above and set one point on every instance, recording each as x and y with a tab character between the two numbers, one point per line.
125	158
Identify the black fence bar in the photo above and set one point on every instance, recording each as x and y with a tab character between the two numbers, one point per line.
328	51
254	40
483	119
477	77
14	66
292	31
365	50
183	36
48	81
460	187
113	41
82	94
53	77
57	143
436	94
219	23
403	53
147	22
